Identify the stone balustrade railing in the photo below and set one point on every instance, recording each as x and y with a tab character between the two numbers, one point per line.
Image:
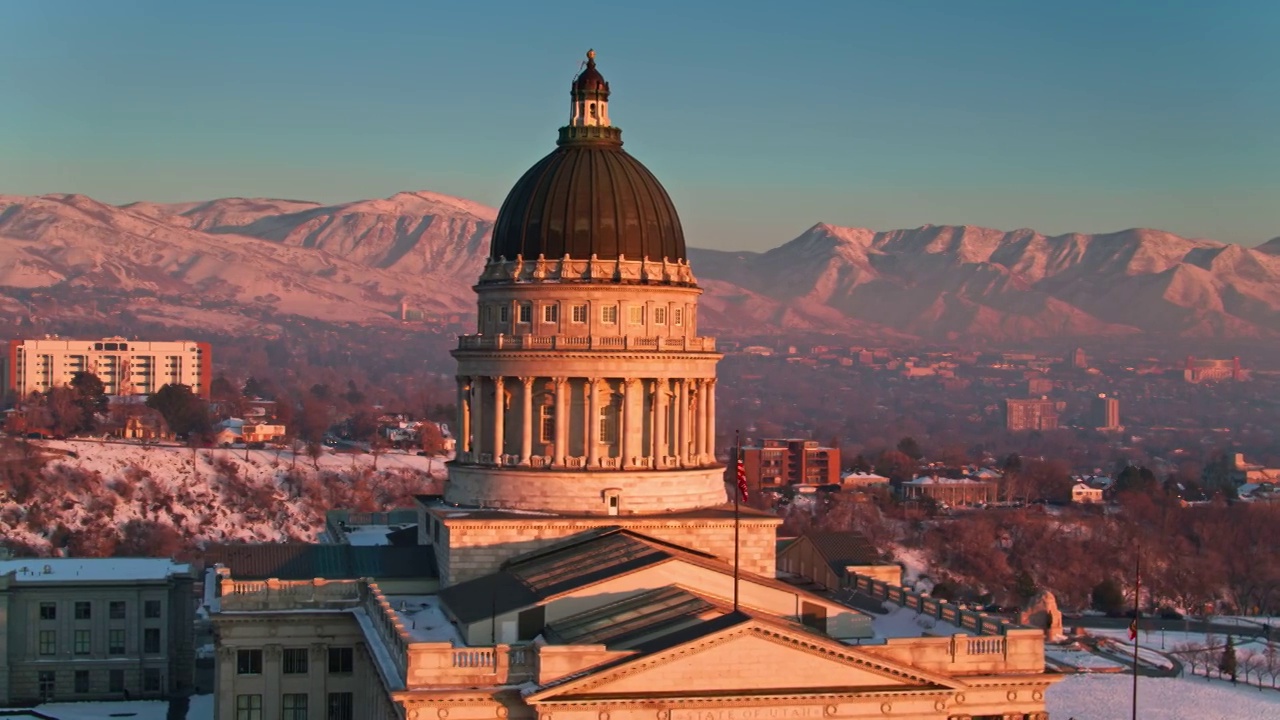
567	269
997	645
571	461
318	594
585	342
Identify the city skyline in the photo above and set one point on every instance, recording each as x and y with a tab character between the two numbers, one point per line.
1092	118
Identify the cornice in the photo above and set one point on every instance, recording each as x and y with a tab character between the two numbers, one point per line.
779	637
461	354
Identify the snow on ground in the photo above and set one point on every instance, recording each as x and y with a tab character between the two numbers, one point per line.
903	622
424	619
213	494
1081	659
1108	697
201	709
915	562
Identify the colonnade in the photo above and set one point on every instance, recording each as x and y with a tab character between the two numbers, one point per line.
591	423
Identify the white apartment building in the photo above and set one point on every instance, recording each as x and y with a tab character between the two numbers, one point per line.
125	367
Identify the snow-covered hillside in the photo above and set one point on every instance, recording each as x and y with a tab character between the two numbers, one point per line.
101	495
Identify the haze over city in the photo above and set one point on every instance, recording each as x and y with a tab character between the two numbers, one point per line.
763	119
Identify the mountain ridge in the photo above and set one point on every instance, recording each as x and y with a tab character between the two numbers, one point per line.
358	261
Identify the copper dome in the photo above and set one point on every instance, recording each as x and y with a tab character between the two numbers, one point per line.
588	197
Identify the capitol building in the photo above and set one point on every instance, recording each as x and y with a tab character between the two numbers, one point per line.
585	561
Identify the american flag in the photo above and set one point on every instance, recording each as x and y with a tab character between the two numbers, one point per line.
742	476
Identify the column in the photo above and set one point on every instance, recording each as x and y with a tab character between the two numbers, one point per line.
317	675
477	416
464	413
526	424
499	418
711	420
271	681
225	684
682	421
562	419
699	421
627	445
593	423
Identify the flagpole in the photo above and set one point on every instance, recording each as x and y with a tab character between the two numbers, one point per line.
737	473
1137	590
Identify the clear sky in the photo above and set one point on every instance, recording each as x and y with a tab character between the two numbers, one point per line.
761	118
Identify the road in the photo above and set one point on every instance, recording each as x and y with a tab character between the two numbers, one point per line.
1147	624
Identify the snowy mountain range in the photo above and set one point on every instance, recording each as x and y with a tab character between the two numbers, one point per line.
220	262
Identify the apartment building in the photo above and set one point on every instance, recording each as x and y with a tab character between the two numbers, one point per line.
1031	414
776	463
125	367
95	629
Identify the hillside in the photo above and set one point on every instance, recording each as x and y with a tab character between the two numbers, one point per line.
92	497
237	264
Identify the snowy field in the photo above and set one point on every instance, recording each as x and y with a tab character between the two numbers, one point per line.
1108	697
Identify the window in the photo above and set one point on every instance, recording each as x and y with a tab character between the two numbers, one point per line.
677	316
82	681
115	642
248	707
635	314
294	707
609	314
504	316
341	706
248	662
579	314
547	423
609	424
151	640
84	610
115	610
151	609
48	642
115	681
550	313
48	681
83	642
295	661
526	313
152	680
659	316
341	661
48	611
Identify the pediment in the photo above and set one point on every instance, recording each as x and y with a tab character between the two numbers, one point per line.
748	659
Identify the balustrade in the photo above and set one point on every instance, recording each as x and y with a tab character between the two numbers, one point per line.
585	342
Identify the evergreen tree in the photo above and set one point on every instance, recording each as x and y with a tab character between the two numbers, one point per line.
1227	665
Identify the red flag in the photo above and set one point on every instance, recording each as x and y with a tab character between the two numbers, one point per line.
742	477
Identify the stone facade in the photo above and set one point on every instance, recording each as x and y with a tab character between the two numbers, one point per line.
471	544
64	638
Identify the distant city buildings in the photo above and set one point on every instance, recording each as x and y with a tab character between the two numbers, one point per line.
951	492
1104	413
95	629
1021	415
125	367
777	463
1198	370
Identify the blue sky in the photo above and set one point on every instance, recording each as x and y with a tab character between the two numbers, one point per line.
761	118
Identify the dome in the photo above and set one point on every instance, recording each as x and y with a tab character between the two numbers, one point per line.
589	196
590	81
